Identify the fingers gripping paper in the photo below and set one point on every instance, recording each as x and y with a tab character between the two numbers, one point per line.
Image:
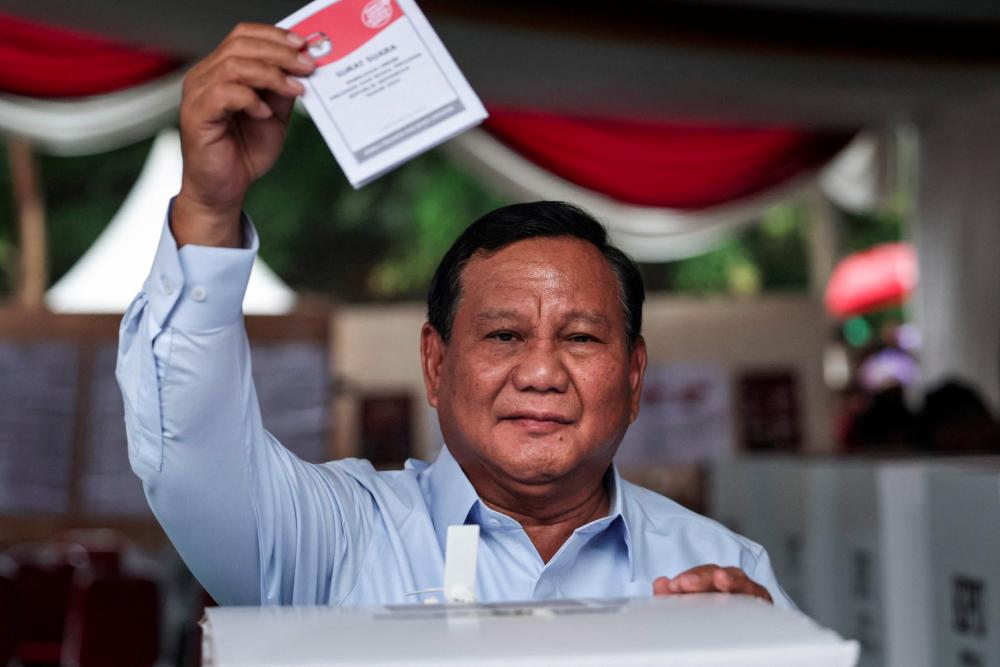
385	89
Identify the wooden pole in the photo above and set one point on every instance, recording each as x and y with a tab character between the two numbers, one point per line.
823	241
32	278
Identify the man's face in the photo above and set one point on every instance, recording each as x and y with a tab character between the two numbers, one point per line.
537	382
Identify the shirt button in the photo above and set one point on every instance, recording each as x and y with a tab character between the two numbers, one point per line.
494	523
168	285
198	293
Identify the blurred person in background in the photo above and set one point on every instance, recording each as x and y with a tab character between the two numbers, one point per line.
885	424
879	417
955	419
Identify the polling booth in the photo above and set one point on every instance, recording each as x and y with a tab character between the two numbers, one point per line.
964	524
763	497
856	543
865	555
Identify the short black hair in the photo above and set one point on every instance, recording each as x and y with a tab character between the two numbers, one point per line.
510	224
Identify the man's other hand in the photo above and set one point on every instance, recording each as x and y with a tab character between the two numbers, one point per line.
711	579
234	112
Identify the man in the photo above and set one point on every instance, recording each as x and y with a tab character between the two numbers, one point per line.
532	357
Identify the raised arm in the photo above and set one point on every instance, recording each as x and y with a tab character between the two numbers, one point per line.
224	490
234	114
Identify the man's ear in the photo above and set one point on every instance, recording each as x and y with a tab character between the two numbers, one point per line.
431	358
636	372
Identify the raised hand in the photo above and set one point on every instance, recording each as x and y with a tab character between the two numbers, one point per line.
234	113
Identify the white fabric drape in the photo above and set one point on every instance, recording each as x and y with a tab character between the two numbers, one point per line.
958	246
650	234
104	122
855	180
93	124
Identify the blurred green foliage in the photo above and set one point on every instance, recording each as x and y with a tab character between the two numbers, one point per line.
383	242
81	195
317	233
862	231
772	255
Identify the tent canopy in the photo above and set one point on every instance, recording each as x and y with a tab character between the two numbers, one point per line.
111	272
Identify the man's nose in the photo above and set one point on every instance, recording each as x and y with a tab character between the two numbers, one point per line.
541	369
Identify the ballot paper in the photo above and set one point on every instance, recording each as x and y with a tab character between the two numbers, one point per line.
385	89
692	630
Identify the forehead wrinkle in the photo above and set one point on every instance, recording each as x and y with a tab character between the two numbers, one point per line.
494	315
529	286
592	317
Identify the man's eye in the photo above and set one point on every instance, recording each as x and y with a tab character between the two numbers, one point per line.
503	336
582	338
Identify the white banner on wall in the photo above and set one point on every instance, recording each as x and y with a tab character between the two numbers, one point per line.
685	416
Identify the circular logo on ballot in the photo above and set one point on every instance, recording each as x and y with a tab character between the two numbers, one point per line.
318	44
376	13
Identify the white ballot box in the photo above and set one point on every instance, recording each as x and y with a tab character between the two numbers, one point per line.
692	630
965	559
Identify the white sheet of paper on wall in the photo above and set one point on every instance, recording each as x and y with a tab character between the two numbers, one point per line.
685	416
385	89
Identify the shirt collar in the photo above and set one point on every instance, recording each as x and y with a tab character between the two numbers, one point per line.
619	512
451	495
452	498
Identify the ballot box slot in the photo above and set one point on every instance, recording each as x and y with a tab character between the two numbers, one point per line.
540	609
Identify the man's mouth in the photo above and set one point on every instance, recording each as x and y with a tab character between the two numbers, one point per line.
538	421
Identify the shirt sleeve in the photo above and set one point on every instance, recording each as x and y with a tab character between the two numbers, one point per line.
255	524
758	567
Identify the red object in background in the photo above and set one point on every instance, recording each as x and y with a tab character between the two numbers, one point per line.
875	278
41	597
43	580
8	610
679	166
113	622
646	163
769	410
43	61
105	548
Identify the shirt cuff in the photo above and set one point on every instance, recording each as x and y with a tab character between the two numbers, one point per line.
199	287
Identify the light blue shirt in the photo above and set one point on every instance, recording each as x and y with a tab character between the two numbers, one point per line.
257	525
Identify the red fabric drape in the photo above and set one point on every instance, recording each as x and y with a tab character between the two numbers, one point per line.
42	61
645	163
667	165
